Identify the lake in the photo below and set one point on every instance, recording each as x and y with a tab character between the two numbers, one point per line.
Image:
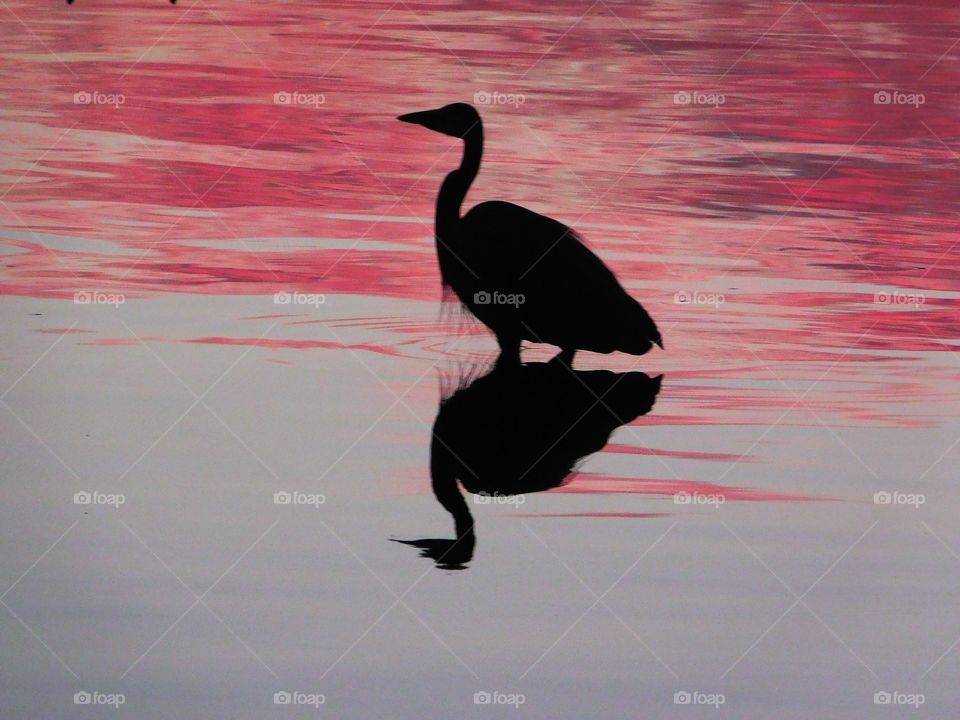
224	349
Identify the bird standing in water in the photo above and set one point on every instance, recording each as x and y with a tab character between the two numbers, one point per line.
524	275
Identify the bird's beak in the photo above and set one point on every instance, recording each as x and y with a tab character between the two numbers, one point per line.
430	119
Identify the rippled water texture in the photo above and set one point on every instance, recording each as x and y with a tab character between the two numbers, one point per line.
776	182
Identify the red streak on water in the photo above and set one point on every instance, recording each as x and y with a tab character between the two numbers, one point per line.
265	343
605	484
617	448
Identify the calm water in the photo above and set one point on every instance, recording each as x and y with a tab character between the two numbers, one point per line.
776	182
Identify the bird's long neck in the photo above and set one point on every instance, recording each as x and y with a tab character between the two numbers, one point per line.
445	487
455	186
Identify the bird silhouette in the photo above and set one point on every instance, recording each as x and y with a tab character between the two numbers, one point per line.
524	275
522	430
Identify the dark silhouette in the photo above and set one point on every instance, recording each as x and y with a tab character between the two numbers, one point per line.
524	275
522	430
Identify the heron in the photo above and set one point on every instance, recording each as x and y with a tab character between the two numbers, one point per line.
524	275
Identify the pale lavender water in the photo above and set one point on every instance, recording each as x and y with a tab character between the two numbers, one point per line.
811	223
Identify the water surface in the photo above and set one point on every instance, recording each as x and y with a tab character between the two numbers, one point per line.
811	226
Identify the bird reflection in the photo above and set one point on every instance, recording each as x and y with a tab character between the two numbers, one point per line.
522	429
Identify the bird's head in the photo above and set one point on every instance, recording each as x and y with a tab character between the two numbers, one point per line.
455	120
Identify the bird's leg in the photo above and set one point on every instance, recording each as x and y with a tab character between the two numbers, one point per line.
565	356
509	351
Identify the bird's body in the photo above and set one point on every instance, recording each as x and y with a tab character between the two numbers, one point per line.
562	293
524	275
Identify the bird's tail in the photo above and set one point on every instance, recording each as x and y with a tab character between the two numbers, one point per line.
643	333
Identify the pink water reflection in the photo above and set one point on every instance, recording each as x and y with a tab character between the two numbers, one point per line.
799	199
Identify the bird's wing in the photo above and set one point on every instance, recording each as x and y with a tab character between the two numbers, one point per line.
510	241
569	288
